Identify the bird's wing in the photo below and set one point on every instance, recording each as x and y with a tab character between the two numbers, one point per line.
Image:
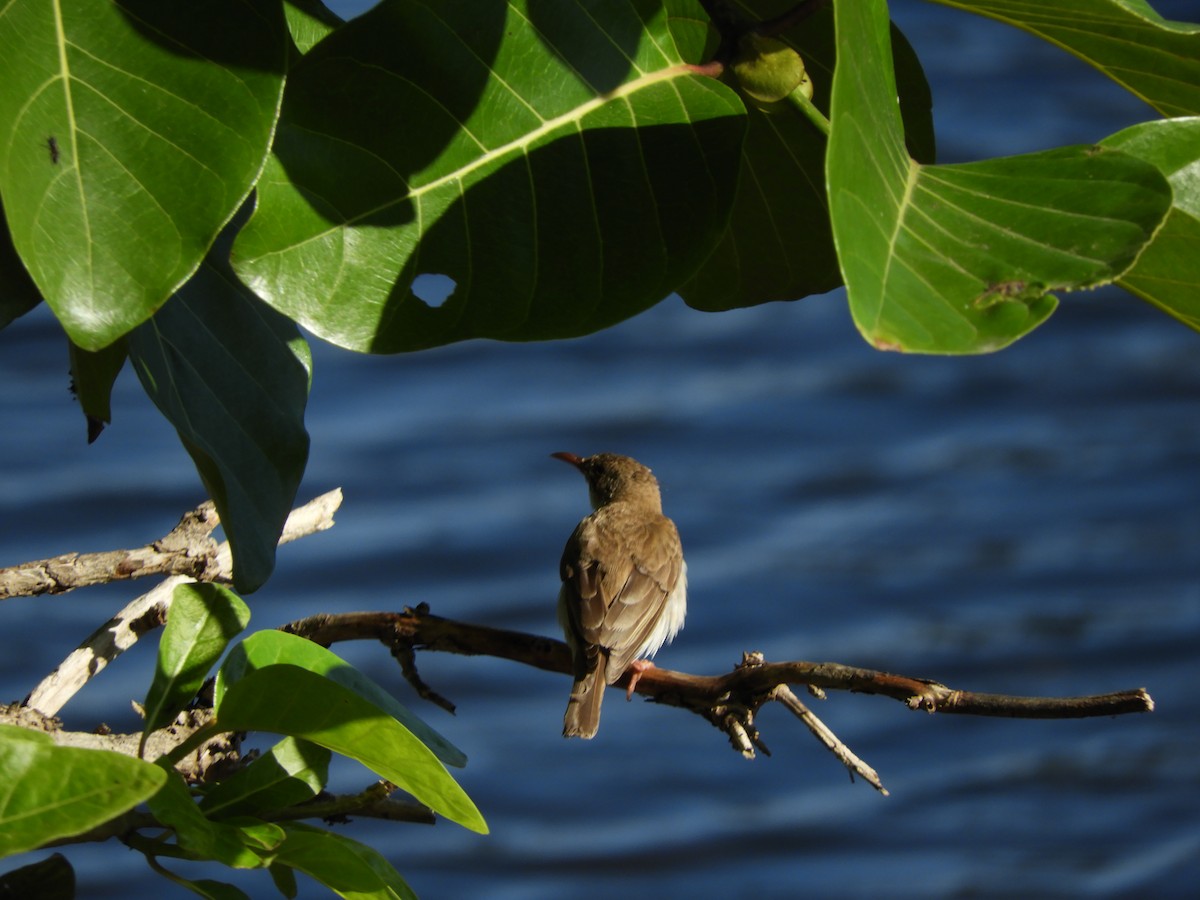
584	574
618	571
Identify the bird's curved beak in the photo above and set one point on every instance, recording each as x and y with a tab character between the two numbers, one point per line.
568	458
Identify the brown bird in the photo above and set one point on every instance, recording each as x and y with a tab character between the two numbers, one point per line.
624	591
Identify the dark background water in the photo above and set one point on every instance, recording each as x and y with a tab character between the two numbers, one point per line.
1025	522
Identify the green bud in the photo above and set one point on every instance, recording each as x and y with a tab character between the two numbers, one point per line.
767	70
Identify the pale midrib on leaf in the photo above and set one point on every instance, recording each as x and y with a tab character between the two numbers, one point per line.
521	144
65	72
902	207
73	801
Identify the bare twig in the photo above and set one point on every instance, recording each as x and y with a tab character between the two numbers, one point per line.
425	631
149	611
102	646
825	735
730	702
186	550
736	719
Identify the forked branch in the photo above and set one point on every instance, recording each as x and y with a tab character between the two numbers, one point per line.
730	701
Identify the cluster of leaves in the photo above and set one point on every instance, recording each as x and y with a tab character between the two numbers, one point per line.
185	185
269	682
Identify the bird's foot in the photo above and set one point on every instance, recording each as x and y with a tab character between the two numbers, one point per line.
636	668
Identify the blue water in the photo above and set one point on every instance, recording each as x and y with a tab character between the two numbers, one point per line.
1026	522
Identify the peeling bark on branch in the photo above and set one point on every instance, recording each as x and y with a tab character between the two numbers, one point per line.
149	611
186	550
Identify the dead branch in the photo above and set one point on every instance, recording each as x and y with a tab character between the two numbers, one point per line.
186	550
729	702
419	629
149	611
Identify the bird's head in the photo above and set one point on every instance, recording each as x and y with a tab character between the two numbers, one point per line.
611	476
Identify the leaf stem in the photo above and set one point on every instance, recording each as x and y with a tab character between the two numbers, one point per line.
800	101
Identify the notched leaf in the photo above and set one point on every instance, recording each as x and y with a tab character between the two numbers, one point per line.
1015	290
569	172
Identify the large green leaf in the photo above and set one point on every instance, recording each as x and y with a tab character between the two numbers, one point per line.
286	699
55	792
130	132
1128	41
560	163
202	620
1167	273
960	259
266	648
343	865
779	245
232	376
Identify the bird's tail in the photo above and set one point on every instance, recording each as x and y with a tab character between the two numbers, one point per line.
583	709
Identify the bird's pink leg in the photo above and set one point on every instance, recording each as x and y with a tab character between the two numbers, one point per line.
636	668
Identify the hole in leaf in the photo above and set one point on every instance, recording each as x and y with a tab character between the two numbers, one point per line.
433	289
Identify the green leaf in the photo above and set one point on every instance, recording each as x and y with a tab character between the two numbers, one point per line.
1151	57
207	888
232	376
248	845
51	878
779	244
14	733
959	259
309	21
291	772
287	699
56	792
569	170
92	375
265	648
130	133
202	620
345	866
285	880
1167	273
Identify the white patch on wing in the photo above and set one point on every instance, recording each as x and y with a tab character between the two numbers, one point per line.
670	621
